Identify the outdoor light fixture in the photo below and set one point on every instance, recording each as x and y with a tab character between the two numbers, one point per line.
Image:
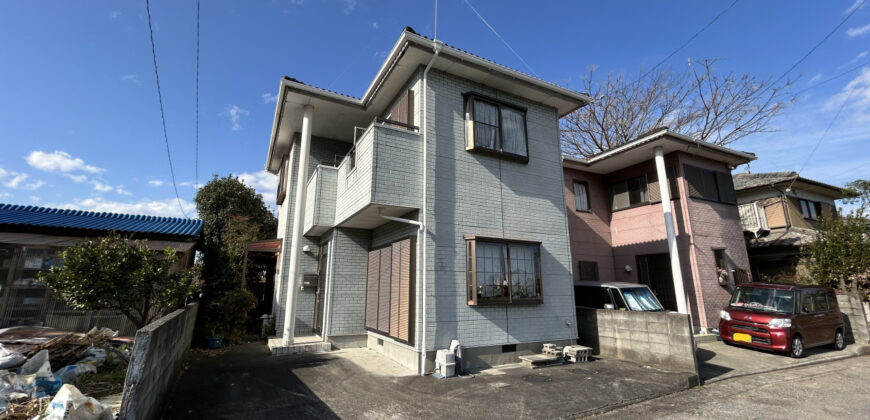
306	248
627	268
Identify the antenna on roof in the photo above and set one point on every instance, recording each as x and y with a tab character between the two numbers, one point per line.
435	36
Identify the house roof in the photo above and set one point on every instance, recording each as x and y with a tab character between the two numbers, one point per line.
411	52
643	149
17	217
747	181
792	236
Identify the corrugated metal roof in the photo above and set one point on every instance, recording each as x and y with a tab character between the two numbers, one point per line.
18	215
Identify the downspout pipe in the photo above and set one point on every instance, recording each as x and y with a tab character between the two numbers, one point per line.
422	268
676	271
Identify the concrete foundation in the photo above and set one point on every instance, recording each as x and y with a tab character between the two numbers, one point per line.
300	345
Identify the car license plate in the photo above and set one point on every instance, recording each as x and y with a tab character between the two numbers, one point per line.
746	338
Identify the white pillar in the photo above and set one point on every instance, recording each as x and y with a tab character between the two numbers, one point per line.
298	210
676	272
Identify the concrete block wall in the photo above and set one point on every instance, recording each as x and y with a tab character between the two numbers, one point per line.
155	363
322	149
857	317
660	339
475	194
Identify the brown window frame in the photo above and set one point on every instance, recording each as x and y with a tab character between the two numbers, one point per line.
507	297
282	181
471	146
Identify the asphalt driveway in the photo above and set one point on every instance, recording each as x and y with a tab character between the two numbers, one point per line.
718	361
247	382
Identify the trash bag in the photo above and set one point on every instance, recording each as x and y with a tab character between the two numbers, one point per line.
10	359
70	373
71	404
37	365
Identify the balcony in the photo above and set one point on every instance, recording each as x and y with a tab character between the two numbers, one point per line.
320	205
380	173
752	217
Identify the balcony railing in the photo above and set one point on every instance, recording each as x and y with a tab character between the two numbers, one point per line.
752	217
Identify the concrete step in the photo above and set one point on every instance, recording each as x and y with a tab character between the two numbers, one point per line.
535	361
705	338
276	345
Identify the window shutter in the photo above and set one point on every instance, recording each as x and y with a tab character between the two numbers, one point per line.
405	325
395	286
672	182
399	113
711	189
372	281
410	107
726	188
652	189
694	180
384	290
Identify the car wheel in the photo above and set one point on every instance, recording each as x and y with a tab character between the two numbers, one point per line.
797	347
839	341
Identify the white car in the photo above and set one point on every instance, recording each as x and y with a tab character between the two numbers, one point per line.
620	296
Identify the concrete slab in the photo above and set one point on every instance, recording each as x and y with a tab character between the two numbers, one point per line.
308	344
718	361
246	382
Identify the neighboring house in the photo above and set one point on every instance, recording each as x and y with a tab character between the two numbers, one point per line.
618	230
428	210
31	239
779	212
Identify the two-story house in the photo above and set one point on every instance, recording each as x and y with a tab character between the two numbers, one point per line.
429	210
779	212
627	225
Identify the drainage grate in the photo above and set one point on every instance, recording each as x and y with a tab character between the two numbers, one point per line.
537	379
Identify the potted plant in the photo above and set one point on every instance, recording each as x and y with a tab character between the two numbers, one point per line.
213	341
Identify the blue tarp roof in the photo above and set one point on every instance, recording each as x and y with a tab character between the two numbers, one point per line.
18	215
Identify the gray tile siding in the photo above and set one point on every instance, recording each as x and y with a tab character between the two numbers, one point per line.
474	194
321	149
348	289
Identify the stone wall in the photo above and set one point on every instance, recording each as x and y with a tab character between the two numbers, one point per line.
156	362
660	339
855	315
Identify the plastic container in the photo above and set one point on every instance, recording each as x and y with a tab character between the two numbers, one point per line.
213	342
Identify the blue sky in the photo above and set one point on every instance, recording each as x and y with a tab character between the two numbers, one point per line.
81	123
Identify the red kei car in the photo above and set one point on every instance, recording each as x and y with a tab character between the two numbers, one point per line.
782	317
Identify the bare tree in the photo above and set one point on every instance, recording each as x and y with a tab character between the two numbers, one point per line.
715	108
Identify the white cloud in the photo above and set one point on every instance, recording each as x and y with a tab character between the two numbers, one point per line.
380	54
59	161
100	187
853	32
269	98
856	5
189	184
155	183
165	207
262	181
33	199
235	114
5	194
120	190
132	78
76	178
115	14
12	179
815	78
349	5
374	25
857	91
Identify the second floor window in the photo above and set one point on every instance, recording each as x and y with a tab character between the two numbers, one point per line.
581	196
710	185
494	127
810	209
282	181
628	193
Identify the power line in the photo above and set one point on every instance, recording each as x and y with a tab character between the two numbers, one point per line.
812	50
196	141
815	85
818	143
502	39
692	38
162	114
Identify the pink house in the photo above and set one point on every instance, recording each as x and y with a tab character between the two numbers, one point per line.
617	221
